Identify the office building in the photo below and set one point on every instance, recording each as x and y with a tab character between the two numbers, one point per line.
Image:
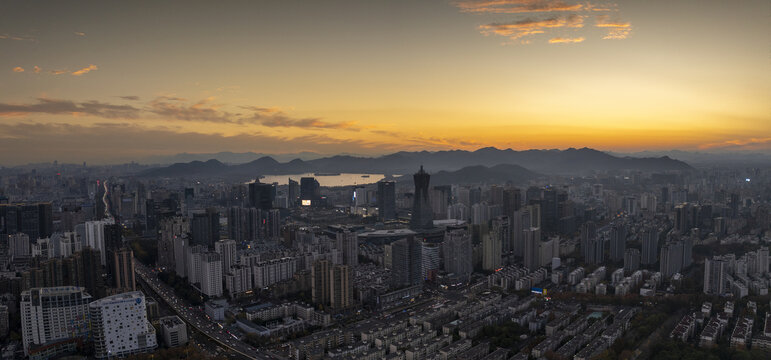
35	220
53	315
173	331
310	191
422	216
457	252
119	326
430	259
386	200
261	195
293	193
406	262
205	227
650	246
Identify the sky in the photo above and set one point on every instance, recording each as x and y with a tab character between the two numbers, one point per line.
108	82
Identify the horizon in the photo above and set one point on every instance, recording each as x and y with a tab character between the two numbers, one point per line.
107	83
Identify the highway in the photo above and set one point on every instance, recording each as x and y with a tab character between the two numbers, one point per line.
197	319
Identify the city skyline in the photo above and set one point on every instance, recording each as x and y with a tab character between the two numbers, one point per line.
110	83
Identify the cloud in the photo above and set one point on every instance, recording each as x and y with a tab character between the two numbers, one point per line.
281	120
121	142
79	33
515	6
18	69
560	40
58	72
616	30
740	144
36	69
130	97
527	27
61	107
203	110
85	70
16	37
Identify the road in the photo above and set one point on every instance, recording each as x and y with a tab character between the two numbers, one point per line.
197	319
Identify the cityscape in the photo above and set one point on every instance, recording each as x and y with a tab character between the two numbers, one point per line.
396	180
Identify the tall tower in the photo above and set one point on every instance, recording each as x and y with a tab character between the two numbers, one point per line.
422	218
386	200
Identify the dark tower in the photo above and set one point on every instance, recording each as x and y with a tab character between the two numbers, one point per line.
422	218
386	200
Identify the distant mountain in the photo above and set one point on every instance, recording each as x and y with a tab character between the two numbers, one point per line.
498	174
709	159
227	157
570	161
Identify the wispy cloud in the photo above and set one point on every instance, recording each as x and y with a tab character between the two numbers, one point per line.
563	20
516	6
58	72
36	69
526	27
16	37
85	70
616	30
80	33
18	69
203	110
740	144
130	97
66	107
560	40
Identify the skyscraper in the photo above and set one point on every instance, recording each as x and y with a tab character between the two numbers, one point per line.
120	327
502	230
211	274
422	217
650	246
406	262
631	260
205	227
512	201
293	192
715	271
52	315
310	191
340	287
261	195
491	251
588	242
457	252
348	245
617	242
671	260
227	250
122	270
386	200
320	282
532	242
170	229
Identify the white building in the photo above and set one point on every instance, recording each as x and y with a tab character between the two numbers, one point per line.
227	250
49	315
94	236
119	326
269	272
211	274
239	279
173	331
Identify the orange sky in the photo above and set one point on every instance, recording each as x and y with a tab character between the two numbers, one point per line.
112	82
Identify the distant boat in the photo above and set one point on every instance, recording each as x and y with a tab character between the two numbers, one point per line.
365	176
326	174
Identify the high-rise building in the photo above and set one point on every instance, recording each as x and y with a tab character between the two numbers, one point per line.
715	275
245	224
205	227
631	260
320	282
310	191
238	279
588	241
671	260
457	252
227	250
430	259
617	242
19	246
4	321
261	195
340	287
348	245
650	246
53	315
94	237
386	200
531	253
119	326
122	270
406	262
422	216
502	230
491	252
512	201
173	331
35	220
211	274
293	193
170	229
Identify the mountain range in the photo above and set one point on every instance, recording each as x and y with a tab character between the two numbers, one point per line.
569	161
